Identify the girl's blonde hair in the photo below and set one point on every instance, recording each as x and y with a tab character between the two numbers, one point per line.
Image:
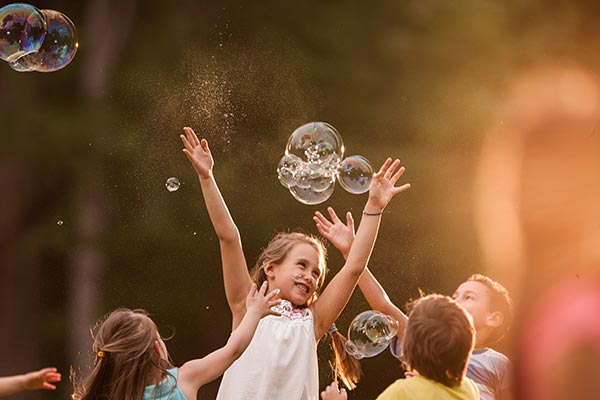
345	366
125	358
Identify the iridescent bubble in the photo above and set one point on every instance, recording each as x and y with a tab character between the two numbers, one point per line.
286	170
310	196
369	334
172	184
315	141
21	65
59	46
331	164
303	176
355	174
22	31
319	178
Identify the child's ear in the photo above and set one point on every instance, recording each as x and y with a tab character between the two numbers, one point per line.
157	348
495	319
269	270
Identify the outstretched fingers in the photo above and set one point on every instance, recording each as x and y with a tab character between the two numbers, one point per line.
253	290
332	214
384	167
186	143
401	188
323	224
204	146
350	220
191	136
391	168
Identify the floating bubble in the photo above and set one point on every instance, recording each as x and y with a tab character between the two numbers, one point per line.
331	164
315	141
287	168
310	196
22	31
319	178
21	65
59	222
172	184
370	333
59	46
355	174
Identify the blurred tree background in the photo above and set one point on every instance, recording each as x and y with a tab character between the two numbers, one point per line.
87	225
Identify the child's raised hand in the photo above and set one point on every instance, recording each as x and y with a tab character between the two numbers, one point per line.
383	187
198	153
259	303
41	379
339	234
332	392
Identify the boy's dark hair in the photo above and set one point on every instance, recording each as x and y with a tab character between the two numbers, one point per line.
500	301
439	339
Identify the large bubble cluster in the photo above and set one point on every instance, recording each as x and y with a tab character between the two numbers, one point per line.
36	40
370	333
314	160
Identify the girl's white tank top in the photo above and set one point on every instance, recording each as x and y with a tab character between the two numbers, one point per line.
280	362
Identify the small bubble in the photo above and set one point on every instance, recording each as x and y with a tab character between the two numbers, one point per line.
195	233
207	307
59	222
172	184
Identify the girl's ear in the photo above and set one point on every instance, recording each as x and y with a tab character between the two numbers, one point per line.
270	270
157	348
495	319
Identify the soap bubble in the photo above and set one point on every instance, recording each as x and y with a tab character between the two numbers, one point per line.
310	196
315	141
22	31
355	174
287	168
59	46
331	164
21	65
172	184
370	333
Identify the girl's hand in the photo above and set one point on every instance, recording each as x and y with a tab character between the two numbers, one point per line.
259	303
198	153
41	379
339	234
332	392
383	187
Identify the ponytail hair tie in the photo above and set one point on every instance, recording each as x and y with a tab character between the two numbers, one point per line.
100	354
333	328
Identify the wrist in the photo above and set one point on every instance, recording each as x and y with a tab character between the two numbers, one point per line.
372	214
22	382
372	208
205	176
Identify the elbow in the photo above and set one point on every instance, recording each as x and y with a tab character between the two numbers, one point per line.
229	236
235	347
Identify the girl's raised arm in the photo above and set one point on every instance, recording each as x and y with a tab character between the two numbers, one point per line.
196	373
341	236
235	270
330	304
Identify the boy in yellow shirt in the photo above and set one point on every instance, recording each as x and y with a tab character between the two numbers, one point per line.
438	340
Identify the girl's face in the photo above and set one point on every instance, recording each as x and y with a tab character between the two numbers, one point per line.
297	276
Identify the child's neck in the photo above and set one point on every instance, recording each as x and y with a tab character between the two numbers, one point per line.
481	338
